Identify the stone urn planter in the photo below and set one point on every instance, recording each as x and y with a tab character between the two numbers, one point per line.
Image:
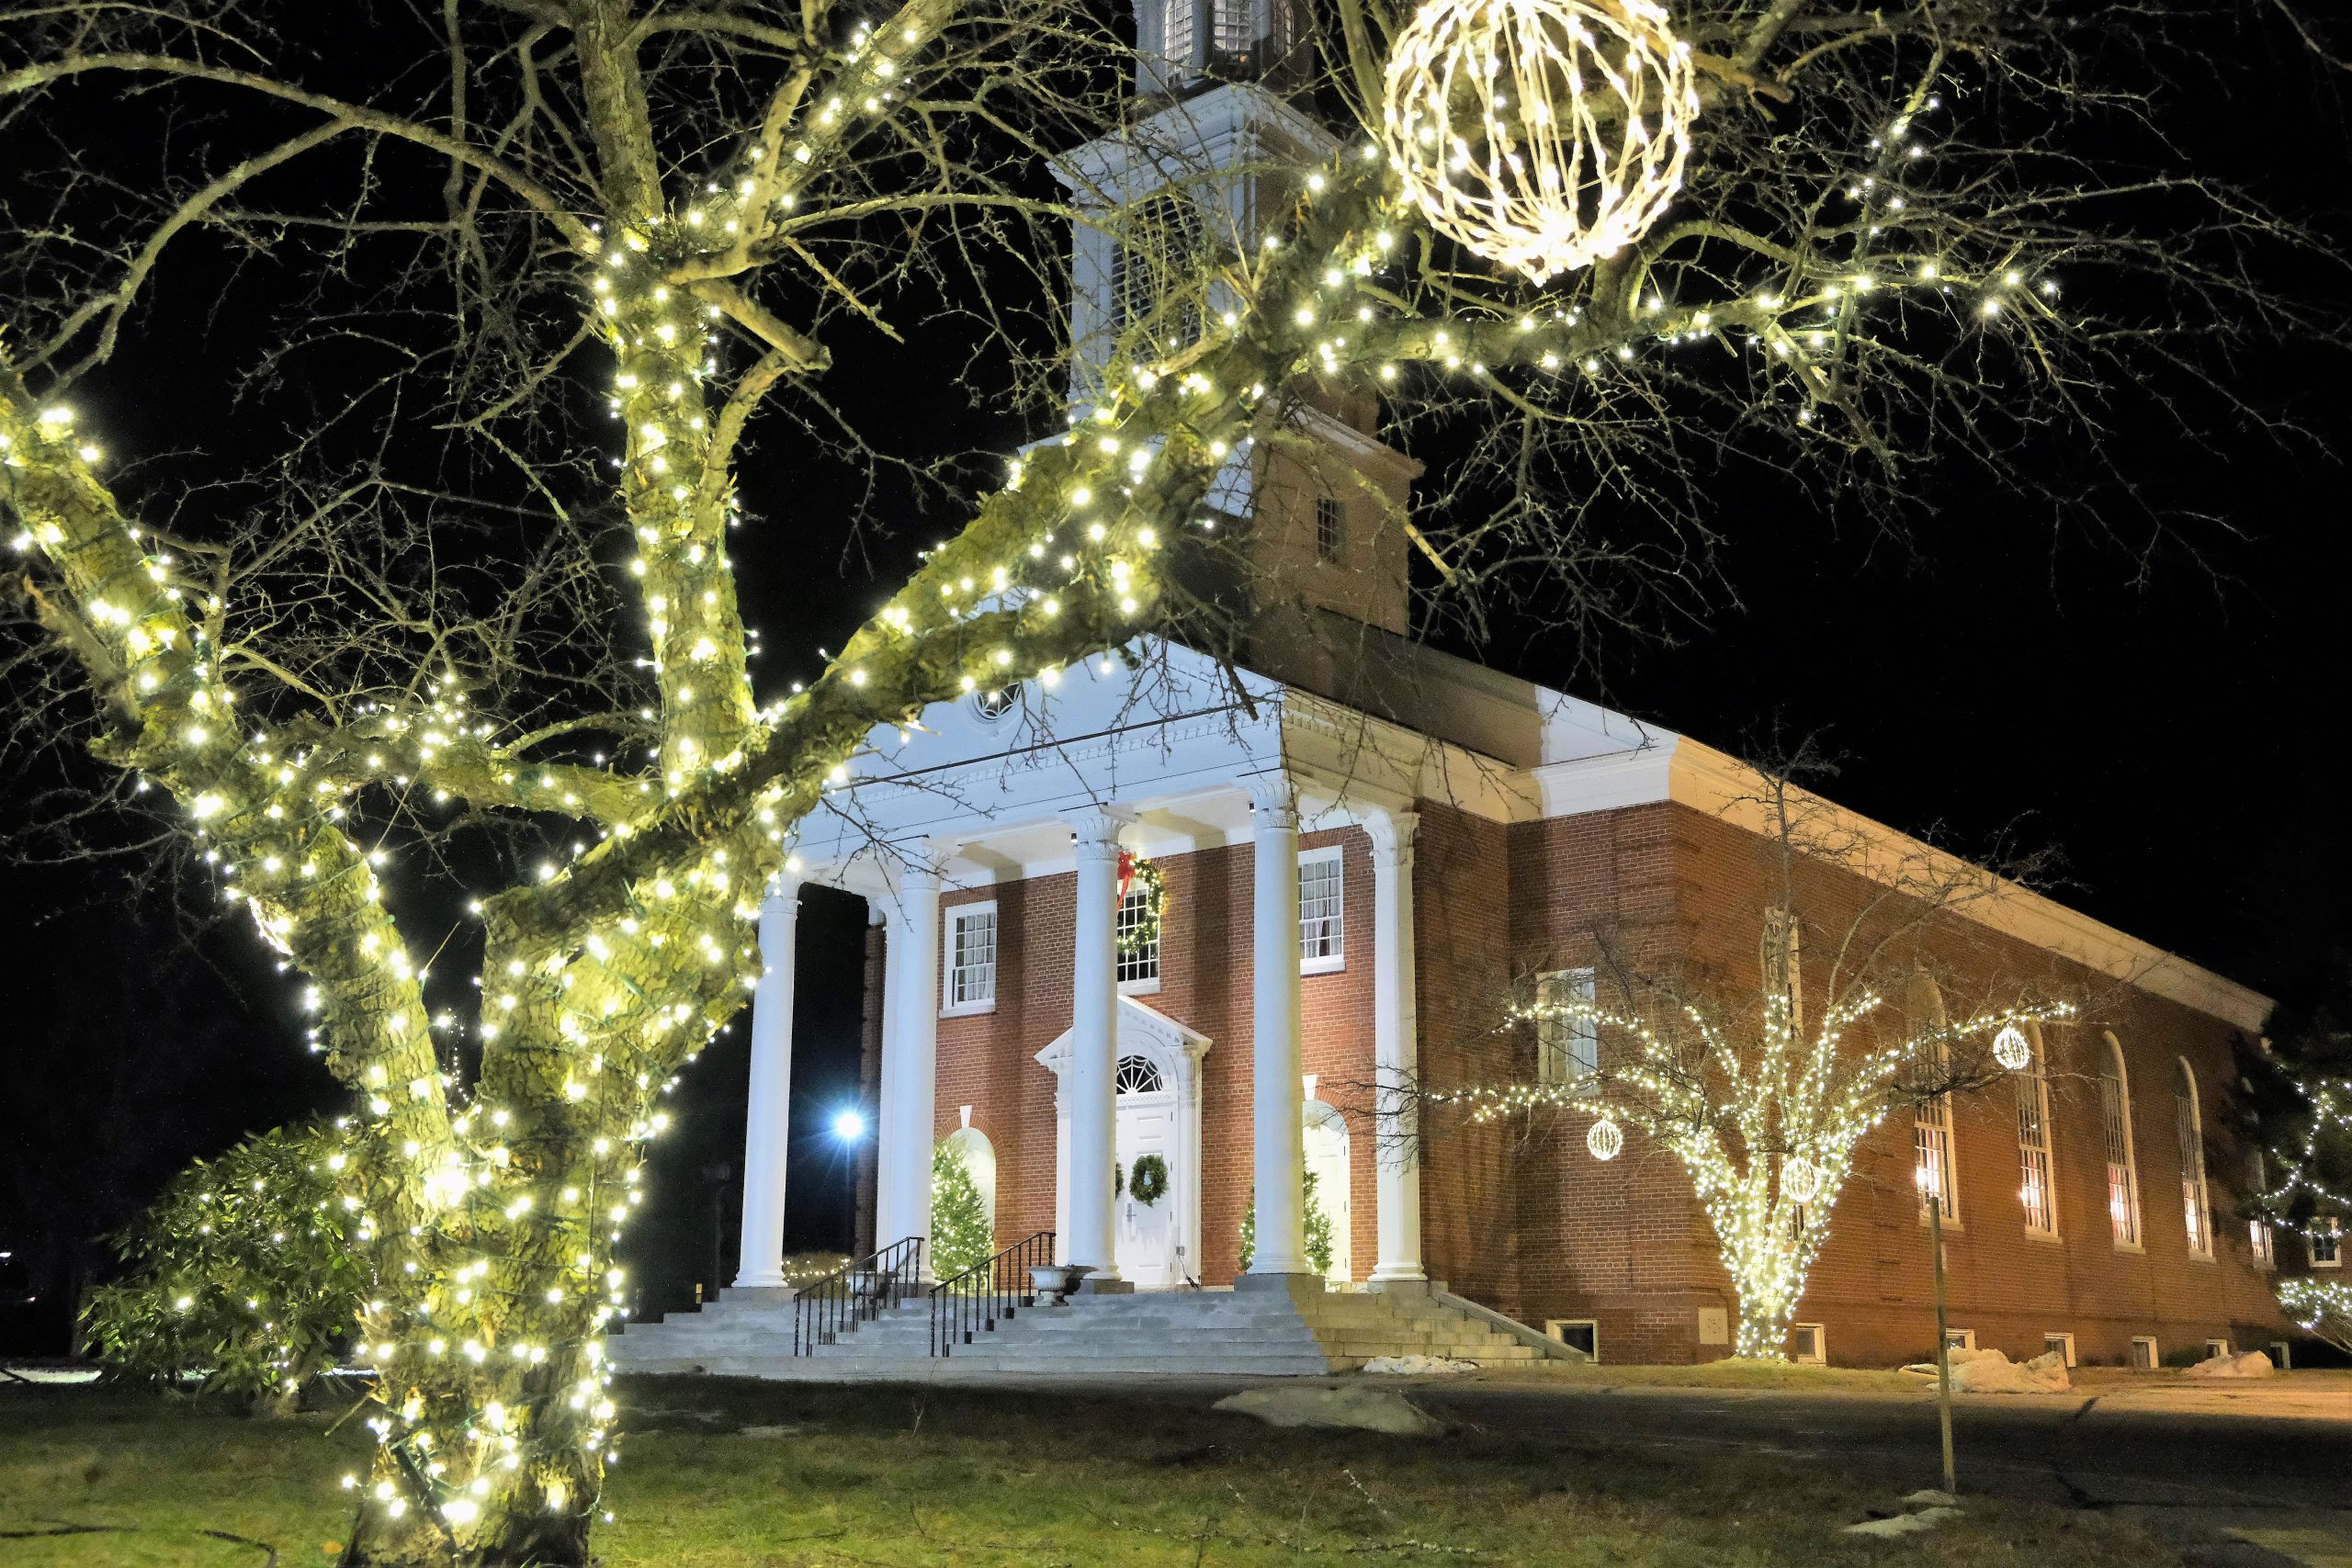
1055	1282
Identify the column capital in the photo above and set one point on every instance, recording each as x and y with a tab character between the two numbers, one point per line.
1096	829
1273	798
1391	833
783	894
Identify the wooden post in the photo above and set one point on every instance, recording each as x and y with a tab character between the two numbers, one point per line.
1943	1339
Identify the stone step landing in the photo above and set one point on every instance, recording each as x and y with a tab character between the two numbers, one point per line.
1290	1328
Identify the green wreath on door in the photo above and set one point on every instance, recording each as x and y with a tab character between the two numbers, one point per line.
1148	1184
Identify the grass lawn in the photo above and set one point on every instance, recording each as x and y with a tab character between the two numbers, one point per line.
723	1474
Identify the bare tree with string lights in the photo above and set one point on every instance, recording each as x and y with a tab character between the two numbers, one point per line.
1763	1090
536	274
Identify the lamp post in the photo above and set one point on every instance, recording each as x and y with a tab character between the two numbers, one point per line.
849	1130
1929	1188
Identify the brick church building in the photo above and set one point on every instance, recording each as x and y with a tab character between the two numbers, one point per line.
1364	850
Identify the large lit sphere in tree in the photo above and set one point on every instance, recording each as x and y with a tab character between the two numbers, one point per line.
1541	134
2011	1049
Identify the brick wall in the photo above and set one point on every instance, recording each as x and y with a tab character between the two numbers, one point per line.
1871	1286
988	1061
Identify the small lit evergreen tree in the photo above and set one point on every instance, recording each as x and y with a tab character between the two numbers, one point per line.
961	1235
244	1277
2296	1109
1318	1229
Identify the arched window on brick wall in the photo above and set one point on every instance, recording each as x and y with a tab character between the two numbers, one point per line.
2037	1192
1931	1132
2189	1124
2115	1114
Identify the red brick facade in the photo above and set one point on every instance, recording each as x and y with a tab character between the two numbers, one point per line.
1523	1218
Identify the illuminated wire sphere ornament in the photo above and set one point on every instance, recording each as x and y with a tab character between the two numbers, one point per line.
1799	1179
1604	1139
2010	1047
1541	134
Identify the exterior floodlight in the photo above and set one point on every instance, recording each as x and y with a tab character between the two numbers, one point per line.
849	1126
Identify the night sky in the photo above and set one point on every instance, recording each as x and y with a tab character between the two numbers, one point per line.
2156	696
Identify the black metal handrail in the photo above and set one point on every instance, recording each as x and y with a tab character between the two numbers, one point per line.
970	1303
855	1293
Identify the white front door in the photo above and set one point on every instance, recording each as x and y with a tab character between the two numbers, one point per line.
1147	1232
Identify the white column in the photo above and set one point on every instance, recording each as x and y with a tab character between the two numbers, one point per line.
767	1123
1091	1080
1395	1048
909	1059
1277	1056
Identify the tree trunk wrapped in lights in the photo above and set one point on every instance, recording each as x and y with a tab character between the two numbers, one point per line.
645	205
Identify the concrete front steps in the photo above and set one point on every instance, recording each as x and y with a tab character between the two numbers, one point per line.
1271	1328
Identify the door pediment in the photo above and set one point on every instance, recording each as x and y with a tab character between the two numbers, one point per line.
1141	1030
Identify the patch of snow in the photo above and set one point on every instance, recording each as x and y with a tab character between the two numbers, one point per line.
1930	1498
769	1431
18	1372
2252	1364
1355	1405
1990	1371
1904	1524
1420	1366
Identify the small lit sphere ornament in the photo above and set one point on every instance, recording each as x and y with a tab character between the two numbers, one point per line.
1541	134
2011	1049
1605	1139
1799	1179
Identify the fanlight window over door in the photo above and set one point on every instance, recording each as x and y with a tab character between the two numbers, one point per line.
1138	1075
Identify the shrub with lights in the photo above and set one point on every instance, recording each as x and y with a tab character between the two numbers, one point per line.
242	1279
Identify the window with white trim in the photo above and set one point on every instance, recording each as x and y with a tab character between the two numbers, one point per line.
1154	273
1138	960
1177	22
1567	1049
1781	955
2257	1229
971	958
2326	1240
2115	1114
1322	913
2034	1188
1931	1140
1330	529
2188	1126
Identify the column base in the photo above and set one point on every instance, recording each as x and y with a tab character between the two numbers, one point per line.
1303	1284
1389	1279
764	1293
1106	1285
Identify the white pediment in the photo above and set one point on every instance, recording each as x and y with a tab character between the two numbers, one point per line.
1142	1030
